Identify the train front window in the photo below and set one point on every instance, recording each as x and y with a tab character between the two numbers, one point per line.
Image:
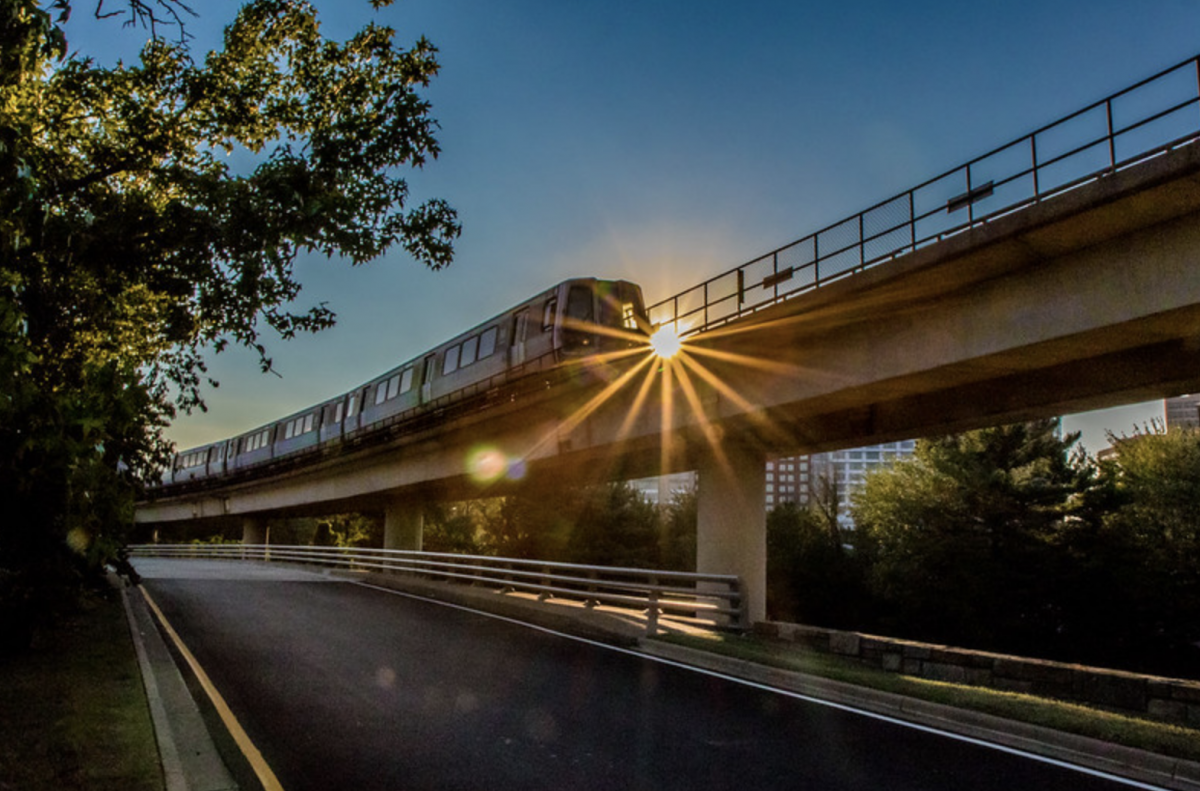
579	304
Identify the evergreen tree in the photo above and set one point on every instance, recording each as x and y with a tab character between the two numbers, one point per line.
962	540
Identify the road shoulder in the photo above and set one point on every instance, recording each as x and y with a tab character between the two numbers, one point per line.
1137	765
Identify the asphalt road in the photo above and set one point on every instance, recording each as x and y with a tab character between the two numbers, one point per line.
345	687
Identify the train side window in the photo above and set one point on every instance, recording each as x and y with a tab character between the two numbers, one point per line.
309	422
353	407
469	347
548	313
393	387
487	343
338	410
288	430
406	380
380	393
520	327
450	364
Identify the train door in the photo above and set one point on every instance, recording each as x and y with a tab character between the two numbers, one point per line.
427	378
516	353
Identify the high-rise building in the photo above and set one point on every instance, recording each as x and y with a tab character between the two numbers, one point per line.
802	479
799	479
661	490
1183	411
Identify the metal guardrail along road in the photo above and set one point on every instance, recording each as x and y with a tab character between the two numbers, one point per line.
712	599
1138	123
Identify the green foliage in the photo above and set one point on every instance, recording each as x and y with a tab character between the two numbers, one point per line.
1148	574
678	543
812	576
129	245
615	526
348	530
1004	539
961	538
459	528
602	525
535	522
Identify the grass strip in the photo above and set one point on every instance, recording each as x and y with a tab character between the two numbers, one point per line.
73	712
1158	737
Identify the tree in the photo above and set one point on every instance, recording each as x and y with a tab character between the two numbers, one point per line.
348	530
1143	589
129	247
962	540
458	528
616	526
812	576
677	545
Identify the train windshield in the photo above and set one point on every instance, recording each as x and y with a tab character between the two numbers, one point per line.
579	303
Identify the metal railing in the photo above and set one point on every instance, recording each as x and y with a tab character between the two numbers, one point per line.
1141	122
714	600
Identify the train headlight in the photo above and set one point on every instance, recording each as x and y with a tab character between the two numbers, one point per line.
665	341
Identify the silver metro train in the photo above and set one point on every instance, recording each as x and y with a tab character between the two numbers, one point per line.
575	319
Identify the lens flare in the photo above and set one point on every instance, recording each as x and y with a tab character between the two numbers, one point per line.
486	464
665	342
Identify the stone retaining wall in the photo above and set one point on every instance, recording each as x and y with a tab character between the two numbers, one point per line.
1171	700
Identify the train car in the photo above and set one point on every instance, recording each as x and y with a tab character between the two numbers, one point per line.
569	322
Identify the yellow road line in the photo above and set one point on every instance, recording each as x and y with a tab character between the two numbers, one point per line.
265	775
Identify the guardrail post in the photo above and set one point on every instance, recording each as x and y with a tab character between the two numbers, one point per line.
652	610
590	602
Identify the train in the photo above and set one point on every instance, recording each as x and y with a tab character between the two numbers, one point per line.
576	319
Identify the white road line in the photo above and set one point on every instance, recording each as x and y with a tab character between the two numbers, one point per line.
787	693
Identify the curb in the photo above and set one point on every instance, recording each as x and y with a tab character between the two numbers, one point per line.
190	761
1127	762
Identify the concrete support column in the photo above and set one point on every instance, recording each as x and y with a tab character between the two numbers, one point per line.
255	530
731	529
403	524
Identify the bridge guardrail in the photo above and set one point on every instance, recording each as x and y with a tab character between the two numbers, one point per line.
1143	121
715	599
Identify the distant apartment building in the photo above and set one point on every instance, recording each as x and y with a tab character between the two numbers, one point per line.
1183	411
802	479
798	479
661	490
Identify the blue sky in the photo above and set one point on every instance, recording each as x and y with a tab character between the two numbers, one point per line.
665	142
